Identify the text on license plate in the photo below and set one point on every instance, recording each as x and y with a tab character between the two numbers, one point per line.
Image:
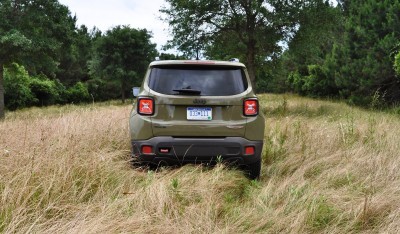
199	113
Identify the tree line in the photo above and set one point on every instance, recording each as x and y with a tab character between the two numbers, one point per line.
342	49
46	59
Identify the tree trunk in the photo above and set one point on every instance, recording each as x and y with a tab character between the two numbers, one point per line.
2	114
251	45
251	65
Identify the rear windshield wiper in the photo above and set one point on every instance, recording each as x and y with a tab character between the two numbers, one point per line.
187	91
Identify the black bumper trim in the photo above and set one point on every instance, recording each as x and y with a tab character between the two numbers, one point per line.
171	150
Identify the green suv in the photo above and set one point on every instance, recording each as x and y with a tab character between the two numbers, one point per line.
197	111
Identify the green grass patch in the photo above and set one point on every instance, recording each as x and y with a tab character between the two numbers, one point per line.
320	214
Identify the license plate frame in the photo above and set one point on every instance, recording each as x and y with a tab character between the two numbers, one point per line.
199	113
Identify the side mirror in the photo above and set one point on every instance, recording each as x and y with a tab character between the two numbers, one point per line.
135	91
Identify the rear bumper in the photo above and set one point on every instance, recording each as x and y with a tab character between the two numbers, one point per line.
174	150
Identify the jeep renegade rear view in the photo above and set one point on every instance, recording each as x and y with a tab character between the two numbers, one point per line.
197	112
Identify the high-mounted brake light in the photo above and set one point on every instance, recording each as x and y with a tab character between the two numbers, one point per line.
250	107
145	106
198	62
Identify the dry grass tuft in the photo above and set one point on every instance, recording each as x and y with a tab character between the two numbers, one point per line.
327	167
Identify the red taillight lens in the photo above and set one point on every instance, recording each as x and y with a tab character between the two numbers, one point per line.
249	150
145	106
147	149
250	107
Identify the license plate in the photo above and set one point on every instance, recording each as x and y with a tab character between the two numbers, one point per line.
199	113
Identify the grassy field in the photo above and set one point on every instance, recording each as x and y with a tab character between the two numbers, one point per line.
328	168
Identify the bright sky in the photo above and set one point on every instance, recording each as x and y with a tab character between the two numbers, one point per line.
105	14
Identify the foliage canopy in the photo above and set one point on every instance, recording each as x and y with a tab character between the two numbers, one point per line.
249	29
123	54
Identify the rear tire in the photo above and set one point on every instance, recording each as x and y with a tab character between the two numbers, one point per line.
253	170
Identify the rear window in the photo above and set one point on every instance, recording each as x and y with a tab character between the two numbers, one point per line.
208	80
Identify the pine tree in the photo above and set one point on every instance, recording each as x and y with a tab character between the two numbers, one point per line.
364	60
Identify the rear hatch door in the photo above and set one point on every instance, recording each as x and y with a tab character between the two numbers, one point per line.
198	101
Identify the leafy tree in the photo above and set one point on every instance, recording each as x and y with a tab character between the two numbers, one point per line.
75	55
123	54
320	26
32	33
167	56
251	29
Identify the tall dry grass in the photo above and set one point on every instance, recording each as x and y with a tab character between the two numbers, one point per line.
327	168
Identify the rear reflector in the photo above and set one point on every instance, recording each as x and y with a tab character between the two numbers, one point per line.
164	150
250	107
145	106
249	150
147	149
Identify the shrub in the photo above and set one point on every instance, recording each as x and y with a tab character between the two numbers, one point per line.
45	90
318	83
102	90
78	93
17	91
296	82
62	97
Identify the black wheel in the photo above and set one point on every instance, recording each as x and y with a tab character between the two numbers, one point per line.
253	170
